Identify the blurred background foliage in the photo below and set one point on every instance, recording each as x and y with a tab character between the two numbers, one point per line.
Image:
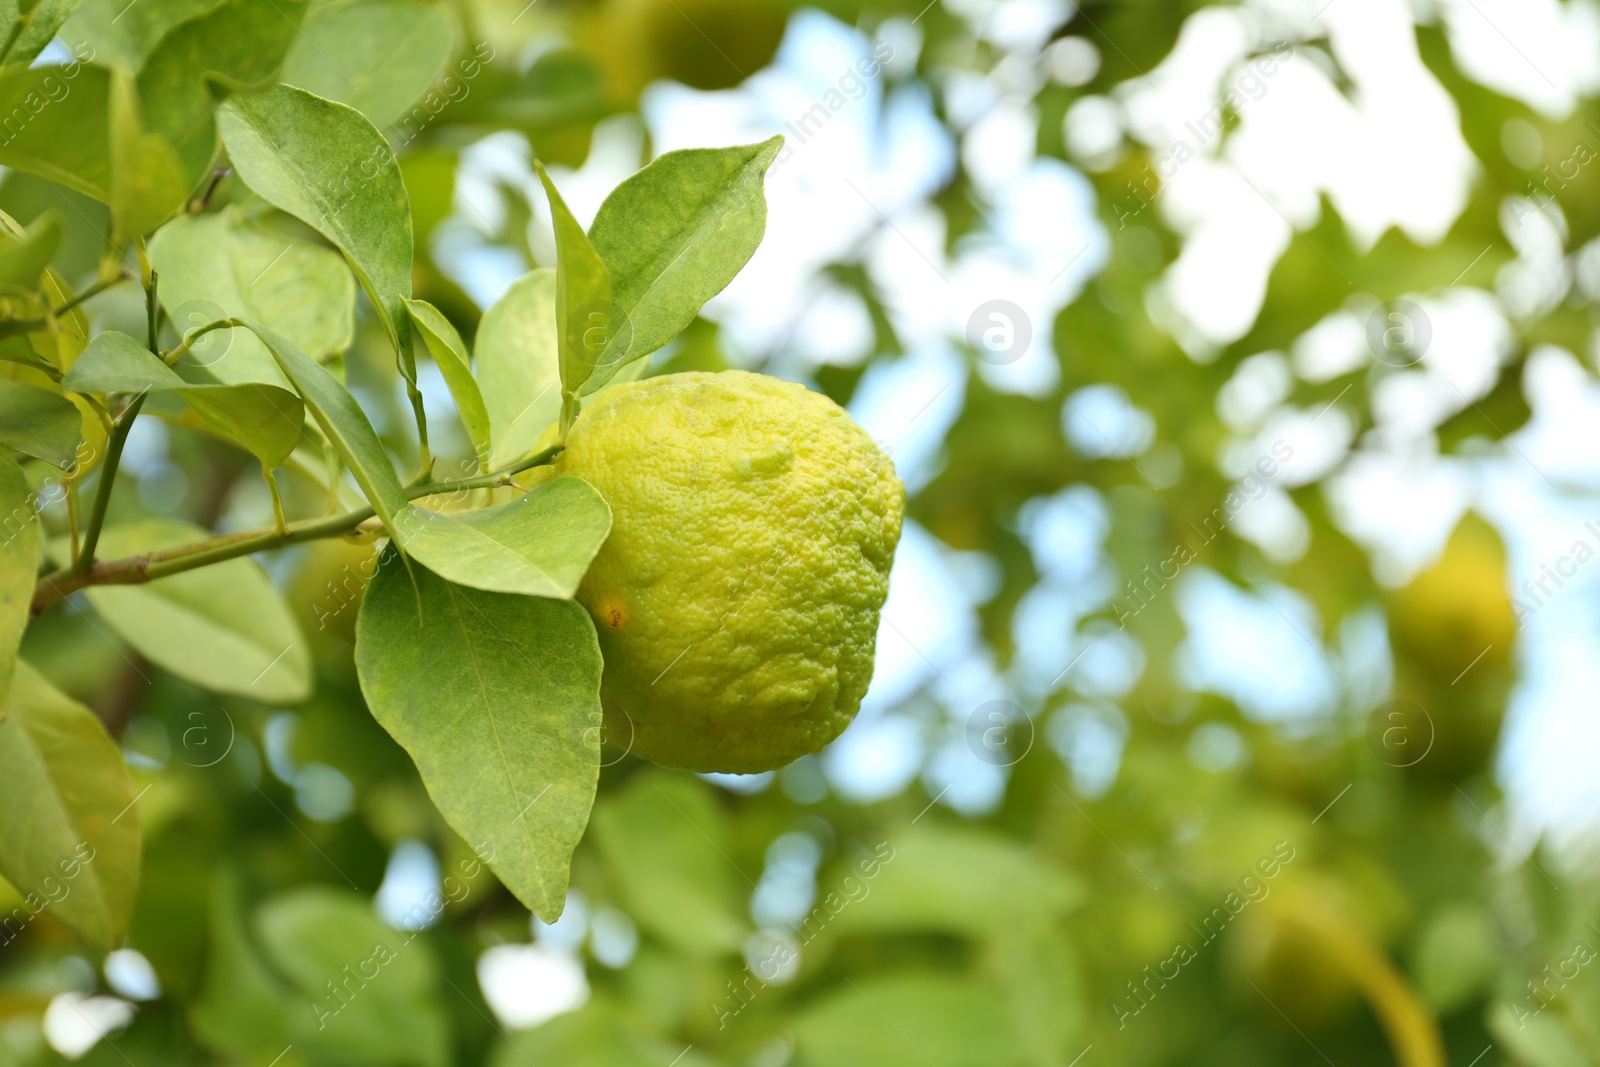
1172	758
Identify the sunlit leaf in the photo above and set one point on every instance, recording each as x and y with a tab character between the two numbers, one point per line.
325	164
673	236
344	423
538	544
263	419
456	367
518	366
378	56
223	627
224	264
583	295
71	839
497	699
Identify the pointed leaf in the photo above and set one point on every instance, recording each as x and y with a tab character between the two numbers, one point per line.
219	265
673	236
344	423
39	28
456	367
583	295
497	699
23	259
538	544
518	366
263	419
378	56
325	164
66	805
223	627
19	565
39	423
237	42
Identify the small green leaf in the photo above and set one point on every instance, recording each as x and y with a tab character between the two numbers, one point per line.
263	419
497	699
665	843
538	544
39	423
23	259
325	164
119	34
65	132
345	425
147	179
673	236
239	43
222	627
583	295
71	837
518	366
219	265
39	28
454	364
19	565
378	56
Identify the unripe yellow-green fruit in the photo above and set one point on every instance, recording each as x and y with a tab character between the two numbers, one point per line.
737	597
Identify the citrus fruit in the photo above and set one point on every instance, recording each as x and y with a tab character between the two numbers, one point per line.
737	597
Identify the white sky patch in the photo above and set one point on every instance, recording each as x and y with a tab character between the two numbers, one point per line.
1541	52
75	1022
526	985
1262	652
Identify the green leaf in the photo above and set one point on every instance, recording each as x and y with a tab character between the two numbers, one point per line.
39	423
39	28
221	265
497	699
902	1020
19	565
222	627
264	420
673	236
538	544
456	367
315	936
345	425
943	880
666	845
121	34
71	837
518	367
583	295
236	43
147	178
378	56
325	164
242	1009
56	125
23	259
